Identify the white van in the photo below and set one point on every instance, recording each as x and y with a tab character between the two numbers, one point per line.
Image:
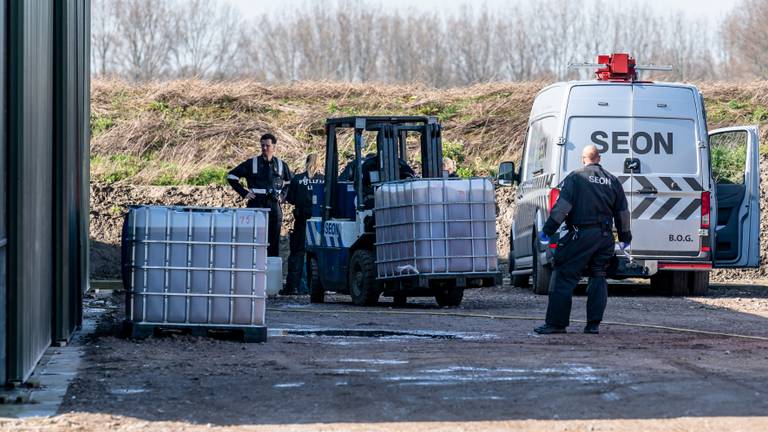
693	193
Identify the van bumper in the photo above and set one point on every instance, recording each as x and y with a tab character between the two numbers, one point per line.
622	268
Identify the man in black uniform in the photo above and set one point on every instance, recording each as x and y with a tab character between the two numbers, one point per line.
371	175
265	176
590	200
300	193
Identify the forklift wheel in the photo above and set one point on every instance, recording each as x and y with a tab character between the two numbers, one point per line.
400	300
316	291
363	286
450	297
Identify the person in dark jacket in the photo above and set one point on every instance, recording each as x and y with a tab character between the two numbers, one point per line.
300	194
371	176
590	201
265	176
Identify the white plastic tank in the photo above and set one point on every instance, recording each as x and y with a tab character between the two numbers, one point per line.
188	265
274	275
431	226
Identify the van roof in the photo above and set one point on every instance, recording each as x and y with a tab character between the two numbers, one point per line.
555	101
575	83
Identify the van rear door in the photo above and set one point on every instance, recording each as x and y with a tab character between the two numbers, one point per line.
666	185
736	172
647	137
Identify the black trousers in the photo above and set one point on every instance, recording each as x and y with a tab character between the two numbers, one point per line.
298	250
275	222
588	248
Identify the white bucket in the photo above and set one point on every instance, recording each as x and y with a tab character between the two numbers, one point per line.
274	275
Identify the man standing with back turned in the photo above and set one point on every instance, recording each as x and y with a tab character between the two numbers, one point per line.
300	194
266	175
591	199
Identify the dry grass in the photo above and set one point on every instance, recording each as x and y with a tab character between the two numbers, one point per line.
173	130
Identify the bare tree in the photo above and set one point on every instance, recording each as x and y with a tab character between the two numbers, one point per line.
744	35
472	42
104	36
144	26
203	36
352	40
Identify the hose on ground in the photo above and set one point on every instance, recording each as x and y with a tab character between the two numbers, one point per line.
513	317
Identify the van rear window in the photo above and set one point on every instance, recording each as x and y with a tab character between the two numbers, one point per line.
663	146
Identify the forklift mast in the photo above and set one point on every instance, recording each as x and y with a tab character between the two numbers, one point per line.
391	136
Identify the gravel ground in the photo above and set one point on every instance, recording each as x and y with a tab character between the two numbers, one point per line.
386	371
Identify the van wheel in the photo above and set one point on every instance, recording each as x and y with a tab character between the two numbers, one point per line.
679	284
400	300
541	273
316	291
363	286
698	283
674	283
521	281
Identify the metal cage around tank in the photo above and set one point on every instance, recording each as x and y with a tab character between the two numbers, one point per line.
187	267
436	226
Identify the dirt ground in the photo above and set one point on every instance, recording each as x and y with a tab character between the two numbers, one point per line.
340	367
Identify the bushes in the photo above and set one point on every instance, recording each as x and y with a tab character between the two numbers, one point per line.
208	176
115	168
728	163
464	168
121	167
201	126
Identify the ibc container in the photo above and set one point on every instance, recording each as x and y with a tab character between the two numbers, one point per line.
274	275
195	266
435	226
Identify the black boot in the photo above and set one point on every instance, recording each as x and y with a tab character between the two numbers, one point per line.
549	329
287	290
592	327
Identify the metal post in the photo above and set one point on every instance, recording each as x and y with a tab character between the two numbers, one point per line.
402	136
471	226
253	274
358	167
144	272
188	273
210	269
233	239
131	295
331	170
166	256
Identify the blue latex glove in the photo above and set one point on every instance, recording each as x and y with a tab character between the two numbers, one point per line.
543	238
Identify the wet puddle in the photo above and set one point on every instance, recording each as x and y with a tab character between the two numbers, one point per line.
127	391
464	374
382	334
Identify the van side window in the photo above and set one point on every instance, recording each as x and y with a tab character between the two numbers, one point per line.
728	151
540	142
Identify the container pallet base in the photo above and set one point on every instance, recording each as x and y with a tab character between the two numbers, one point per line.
244	334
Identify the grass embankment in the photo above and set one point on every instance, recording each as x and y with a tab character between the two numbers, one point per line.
192	132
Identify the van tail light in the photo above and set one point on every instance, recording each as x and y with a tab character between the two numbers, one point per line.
705	205
705	220
554	194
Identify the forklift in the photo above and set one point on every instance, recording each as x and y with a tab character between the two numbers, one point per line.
341	239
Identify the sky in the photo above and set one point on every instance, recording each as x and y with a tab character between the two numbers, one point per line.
711	10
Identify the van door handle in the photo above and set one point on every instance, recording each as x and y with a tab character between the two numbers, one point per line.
647	191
